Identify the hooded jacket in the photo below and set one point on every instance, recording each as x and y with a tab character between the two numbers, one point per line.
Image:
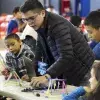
23	62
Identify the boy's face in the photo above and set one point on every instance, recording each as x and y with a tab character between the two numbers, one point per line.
34	19
18	15
95	33
13	45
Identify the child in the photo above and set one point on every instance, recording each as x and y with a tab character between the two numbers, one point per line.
20	57
92	93
92	25
16	24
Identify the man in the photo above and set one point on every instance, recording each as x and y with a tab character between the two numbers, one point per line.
65	48
92	24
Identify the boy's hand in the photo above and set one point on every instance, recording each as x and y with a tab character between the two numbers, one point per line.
25	78
5	72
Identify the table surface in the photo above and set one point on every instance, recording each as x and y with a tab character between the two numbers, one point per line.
12	89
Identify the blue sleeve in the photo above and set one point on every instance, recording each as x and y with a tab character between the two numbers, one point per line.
96	51
11	26
74	95
93	44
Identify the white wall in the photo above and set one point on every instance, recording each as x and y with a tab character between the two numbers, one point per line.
6	6
95	4
73	5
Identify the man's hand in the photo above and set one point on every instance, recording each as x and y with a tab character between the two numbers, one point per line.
41	80
25	78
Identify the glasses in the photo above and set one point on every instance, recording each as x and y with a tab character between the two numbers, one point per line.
30	19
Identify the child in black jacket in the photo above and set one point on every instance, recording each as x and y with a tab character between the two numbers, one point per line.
20	57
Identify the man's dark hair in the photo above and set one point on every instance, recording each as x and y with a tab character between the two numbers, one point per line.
31	5
75	20
16	9
93	19
12	36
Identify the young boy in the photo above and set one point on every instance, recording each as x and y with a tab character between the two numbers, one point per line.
16	24
92	25
20	57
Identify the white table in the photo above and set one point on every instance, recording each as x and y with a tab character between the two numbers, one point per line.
14	91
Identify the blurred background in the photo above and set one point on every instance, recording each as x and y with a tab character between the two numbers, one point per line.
66	8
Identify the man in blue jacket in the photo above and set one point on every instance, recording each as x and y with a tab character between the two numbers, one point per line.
65	48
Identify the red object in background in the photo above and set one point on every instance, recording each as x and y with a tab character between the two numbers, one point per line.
4	19
64	4
82	25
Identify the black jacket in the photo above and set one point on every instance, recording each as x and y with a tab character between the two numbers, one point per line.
31	42
71	54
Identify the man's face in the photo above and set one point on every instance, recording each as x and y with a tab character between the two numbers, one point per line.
13	45
34	19
95	33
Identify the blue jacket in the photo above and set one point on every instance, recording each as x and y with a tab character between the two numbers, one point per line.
75	94
93	44
12	27
96	51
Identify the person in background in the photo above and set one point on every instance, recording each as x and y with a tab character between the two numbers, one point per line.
16	24
20	57
76	21
92	25
88	93
65	48
51	9
67	12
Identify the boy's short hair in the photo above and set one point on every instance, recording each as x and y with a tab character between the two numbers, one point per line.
75	20
31	5
12	36
16	9
93	19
